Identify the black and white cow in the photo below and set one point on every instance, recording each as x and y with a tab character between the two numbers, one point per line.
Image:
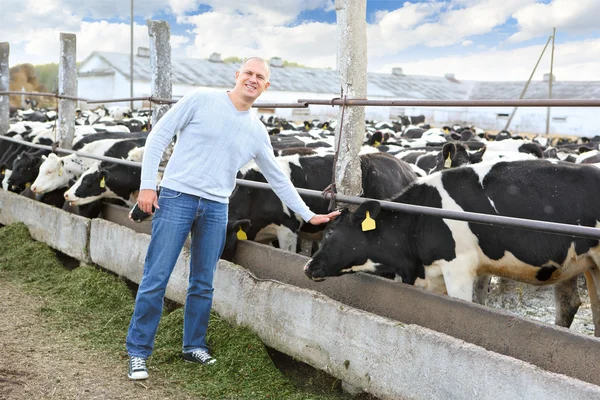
446	256
113	181
383	176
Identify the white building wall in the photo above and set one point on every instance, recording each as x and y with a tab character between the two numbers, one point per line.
563	120
95	87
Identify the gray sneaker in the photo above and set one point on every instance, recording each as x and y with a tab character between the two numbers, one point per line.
199	356
137	368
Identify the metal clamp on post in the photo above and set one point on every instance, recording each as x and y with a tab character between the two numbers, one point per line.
331	190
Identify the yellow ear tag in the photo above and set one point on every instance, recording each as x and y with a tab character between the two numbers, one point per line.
368	224
28	184
60	171
376	144
103	183
3	172
448	162
241	235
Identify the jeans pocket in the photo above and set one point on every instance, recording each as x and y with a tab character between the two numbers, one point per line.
166	193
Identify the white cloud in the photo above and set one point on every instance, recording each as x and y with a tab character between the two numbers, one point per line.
396	30
312	44
538	19
272	12
44	47
576	60
466	43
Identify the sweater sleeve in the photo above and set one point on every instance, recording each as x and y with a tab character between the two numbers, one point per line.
280	183
161	135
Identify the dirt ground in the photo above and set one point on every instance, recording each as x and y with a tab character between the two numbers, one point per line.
38	365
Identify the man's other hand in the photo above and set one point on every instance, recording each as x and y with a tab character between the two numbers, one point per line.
146	199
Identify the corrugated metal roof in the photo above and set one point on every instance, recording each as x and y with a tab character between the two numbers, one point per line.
201	72
537	90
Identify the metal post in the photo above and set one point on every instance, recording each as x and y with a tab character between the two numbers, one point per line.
67	85
4	82
550	82
131	59
352	66
160	66
23	103
512	114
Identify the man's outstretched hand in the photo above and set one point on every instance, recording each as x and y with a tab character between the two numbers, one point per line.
323	218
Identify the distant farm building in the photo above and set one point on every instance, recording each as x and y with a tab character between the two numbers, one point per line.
104	75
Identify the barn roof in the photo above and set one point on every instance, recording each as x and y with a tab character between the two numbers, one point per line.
202	72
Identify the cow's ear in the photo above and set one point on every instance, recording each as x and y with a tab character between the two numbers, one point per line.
102	174
242	227
476	157
44	157
365	215
448	153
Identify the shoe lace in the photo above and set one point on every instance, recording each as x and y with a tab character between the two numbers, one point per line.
138	363
202	355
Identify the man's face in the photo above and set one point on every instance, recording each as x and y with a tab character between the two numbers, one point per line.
252	79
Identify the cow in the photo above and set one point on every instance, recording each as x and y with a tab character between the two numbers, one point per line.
446	256
102	180
383	176
25	169
412	120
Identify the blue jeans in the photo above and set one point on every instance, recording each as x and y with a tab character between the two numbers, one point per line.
179	213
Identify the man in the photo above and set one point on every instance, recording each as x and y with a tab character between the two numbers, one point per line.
219	133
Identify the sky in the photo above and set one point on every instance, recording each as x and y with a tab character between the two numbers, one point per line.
492	40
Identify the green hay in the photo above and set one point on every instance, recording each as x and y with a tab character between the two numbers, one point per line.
96	306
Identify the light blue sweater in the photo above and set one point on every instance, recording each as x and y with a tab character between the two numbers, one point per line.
215	141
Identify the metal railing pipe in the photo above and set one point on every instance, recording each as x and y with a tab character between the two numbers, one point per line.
279	105
486	219
79	153
457	103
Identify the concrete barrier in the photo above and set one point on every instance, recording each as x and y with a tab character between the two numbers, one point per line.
68	233
547	346
122	251
385	356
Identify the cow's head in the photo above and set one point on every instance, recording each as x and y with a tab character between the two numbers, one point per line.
345	247
454	155
51	175
236	230
90	187
24	171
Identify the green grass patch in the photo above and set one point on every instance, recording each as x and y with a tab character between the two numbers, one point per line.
96	307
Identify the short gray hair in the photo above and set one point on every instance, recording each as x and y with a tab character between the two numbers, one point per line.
258	59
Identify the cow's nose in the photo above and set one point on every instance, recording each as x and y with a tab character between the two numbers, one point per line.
307	265
33	189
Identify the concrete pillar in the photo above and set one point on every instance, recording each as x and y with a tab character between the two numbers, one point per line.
67	86
4	81
162	73
352	66
160	65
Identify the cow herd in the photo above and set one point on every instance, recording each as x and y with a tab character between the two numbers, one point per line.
405	161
